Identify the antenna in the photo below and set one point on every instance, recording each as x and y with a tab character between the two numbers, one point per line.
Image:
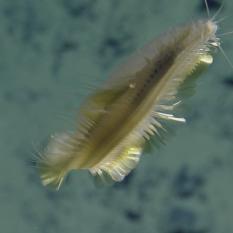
207	9
226	57
217	12
225	33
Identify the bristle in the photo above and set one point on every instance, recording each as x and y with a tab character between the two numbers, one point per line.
120	166
53	164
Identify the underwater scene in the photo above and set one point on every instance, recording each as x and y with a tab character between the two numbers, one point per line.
116	116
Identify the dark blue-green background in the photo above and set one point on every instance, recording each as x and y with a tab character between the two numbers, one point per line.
53	52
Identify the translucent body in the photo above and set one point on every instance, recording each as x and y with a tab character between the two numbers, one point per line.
116	120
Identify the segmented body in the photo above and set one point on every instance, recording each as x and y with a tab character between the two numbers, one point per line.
117	119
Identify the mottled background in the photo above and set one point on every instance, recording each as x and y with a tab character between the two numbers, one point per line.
52	54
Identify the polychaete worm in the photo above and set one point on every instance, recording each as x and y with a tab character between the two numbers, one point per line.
117	120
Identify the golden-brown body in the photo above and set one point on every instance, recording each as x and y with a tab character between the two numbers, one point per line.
117	119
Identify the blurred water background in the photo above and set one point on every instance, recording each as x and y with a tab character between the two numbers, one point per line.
52	53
